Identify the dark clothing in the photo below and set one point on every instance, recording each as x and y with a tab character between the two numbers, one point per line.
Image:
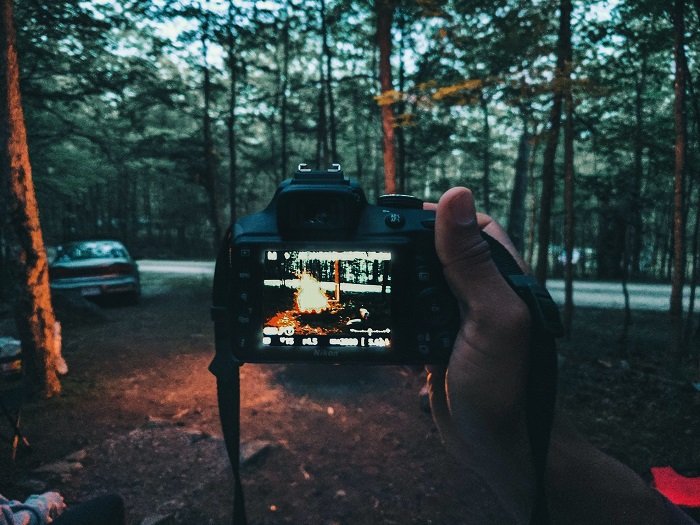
103	510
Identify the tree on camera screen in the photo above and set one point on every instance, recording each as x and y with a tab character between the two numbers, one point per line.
327	299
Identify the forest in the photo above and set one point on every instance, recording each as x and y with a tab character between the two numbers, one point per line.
577	124
158	123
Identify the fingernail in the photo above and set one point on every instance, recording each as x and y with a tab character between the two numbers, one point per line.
461	209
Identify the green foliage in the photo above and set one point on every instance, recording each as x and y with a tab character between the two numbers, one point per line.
114	97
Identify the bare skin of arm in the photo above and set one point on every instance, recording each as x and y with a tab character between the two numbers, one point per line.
478	400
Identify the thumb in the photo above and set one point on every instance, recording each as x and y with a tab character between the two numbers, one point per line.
467	264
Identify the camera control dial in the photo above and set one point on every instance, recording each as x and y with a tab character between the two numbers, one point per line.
400	201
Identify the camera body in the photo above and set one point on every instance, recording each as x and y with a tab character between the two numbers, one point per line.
320	275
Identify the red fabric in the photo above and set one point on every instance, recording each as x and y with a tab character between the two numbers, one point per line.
679	489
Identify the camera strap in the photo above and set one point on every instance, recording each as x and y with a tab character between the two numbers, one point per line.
229	399
541	384
540	395
226	369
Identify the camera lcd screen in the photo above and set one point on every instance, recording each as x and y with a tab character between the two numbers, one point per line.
327	301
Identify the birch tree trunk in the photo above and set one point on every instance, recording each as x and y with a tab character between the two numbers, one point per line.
33	309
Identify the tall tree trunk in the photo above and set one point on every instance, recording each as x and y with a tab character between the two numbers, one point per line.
284	136
402	184
678	275
321	133
231	120
689	323
209	178
358	139
544	229
635	208
385	14
486	152
516	216
328	80
532	222
569	219
33	309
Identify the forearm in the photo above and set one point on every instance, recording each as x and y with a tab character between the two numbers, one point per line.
586	486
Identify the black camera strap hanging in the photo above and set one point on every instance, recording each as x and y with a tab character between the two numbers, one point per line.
541	383
229	399
226	369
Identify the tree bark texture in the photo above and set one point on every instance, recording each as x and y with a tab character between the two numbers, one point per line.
33	309
678	272
544	229
385	14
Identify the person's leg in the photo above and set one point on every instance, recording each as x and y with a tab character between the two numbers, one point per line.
103	510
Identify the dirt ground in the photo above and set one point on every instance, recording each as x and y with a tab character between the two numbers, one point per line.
329	445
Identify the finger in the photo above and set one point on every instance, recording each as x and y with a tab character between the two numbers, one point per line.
429	206
466	258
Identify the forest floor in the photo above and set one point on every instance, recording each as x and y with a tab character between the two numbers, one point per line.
329	445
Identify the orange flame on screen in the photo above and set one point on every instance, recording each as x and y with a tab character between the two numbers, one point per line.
310	297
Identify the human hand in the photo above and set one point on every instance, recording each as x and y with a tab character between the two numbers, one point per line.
478	402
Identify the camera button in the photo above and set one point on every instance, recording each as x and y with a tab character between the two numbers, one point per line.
444	341
394	220
424	349
423	275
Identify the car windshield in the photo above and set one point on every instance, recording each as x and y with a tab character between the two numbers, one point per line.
91	250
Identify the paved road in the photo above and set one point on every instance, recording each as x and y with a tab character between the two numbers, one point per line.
176	267
594	294
609	295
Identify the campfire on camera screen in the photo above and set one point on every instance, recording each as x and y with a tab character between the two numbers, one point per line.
327	298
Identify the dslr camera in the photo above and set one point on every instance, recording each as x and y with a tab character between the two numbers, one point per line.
321	275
